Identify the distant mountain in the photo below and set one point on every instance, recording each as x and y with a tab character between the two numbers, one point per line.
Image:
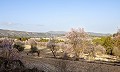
56	32
98	34
89	33
13	33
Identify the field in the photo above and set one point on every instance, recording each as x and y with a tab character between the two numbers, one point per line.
58	65
49	64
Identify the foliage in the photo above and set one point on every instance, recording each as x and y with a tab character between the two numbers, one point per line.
99	40
6	43
99	49
22	38
58	41
116	41
111	44
18	47
7	50
79	41
116	51
32	42
34	48
52	46
108	44
44	40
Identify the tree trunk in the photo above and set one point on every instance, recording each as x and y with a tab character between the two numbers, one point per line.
54	54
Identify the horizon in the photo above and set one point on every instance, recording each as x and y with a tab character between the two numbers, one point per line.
53	31
101	16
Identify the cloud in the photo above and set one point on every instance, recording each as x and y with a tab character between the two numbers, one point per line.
40	25
7	23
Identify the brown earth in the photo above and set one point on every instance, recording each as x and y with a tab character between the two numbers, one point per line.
58	65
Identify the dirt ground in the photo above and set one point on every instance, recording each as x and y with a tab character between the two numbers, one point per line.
58	65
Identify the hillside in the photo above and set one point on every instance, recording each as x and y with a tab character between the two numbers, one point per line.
89	33
13	33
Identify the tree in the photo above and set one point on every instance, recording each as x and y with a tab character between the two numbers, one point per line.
116	39
32	42
19	45
51	44
78	38
99	50
8	51
108	44
98	41
116	42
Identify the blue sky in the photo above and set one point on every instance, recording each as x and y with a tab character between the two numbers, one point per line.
60	15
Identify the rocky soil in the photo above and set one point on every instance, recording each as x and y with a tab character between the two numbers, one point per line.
58	65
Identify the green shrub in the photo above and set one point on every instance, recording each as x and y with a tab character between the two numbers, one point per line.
22	38
44	40
18	47
109	51
34	48
98	41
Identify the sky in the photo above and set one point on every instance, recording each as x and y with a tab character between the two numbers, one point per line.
101	16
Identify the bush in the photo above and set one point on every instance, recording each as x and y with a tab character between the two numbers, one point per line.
44	40
8	51
99	49
34	48
52	46
109	51
23	38
20	48
116	51
65	56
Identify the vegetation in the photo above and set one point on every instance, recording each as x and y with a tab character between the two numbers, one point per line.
19	45
22	38
34	49
111	44
78	44
11	59
44	40
20	48
99	40
52	46
108	44
78	38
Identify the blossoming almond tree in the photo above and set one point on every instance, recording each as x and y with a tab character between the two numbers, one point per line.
8	51
78	38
